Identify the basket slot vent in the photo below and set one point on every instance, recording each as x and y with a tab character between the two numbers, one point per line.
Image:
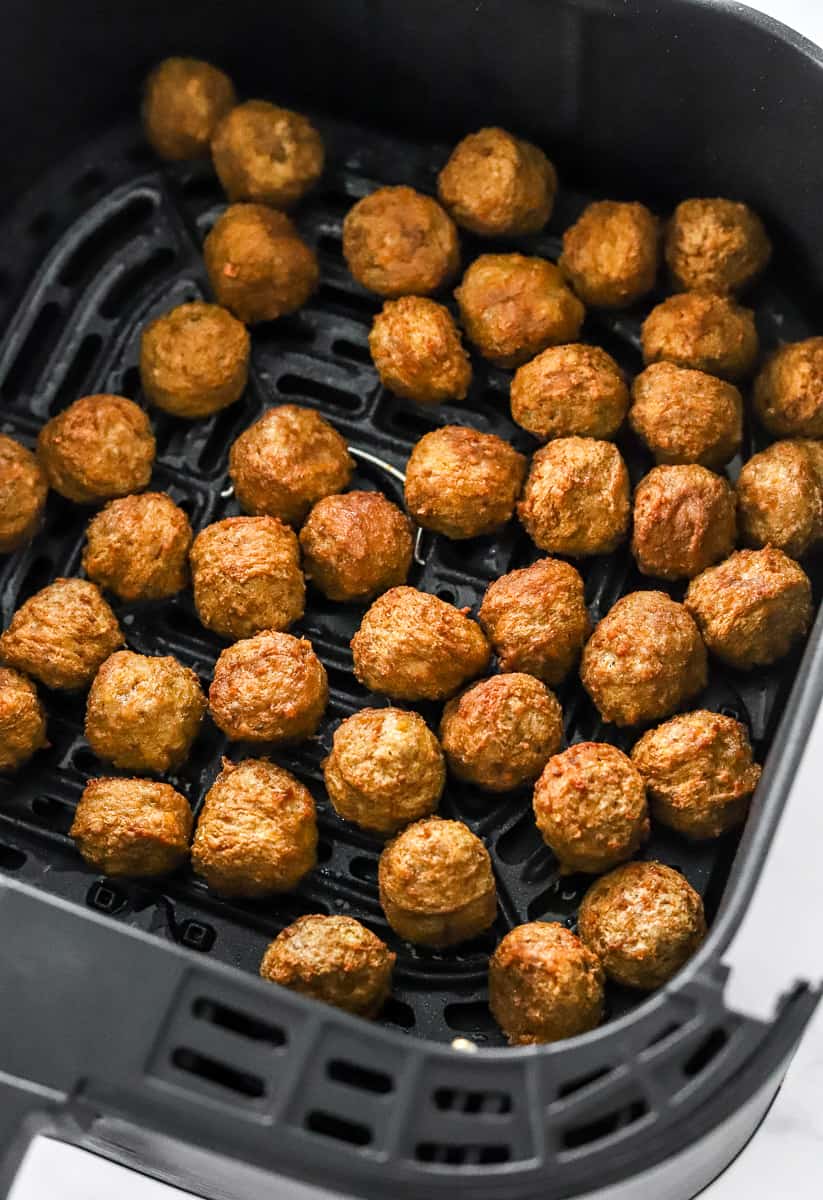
295	385
219	1073
355	1075
338	297
462	1155
32	355
105	897
105	241
584	1134
403	423
127	286
237	1022
397	1012
470	1016
78	372
456	1100
11	859
706	1052
364	869
581	1081
346	349
89	181
331	1125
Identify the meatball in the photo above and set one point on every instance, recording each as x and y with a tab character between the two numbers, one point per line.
398	242
544	984
590	807
138	547
495	183
22	720
143	713
512	307
246	576
98	448
332	959
414	646
686	416
698	772
62	634
417	351
462	483
269	688
643	921
258	265
684	520
611	253
752	608
705	332
501	732
194	360
576	500
570	391
780	498
385	769
788	392
436	884
23	490
286	461
536	619
266	154
183	101
257	831
356	546
715	245
644	660
132	827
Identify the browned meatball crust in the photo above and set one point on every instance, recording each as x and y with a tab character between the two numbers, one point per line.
286	461
570	391
398	242
684	520
512	307
463	483
644	660
332	959
686	416
752	608
97	448
194	360
643	921
436	884
259	267
268	688
246	576
257	831
385	769
715	245
611	253
788	392
495	183
23	490
22	720
417	351
134	827
576	500
698	772
356	546
62	634
414	646
702	331
536	619
266	154
780	498
501	732
138	547
183	101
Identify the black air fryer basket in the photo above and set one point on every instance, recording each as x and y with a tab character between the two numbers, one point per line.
132	1019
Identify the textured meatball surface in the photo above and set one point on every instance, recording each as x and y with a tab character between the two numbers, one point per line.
788	392
266	154
686	416
495	183
715	245
22	720
398	242
416	348
780	497
570	391
684	520
23	490
183	101
194	360
138	547
99	447
268	688
611	253
136	827
356	546
702	331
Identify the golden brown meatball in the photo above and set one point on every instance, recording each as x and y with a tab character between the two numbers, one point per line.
686	416
536	619
512	307
544	985
576	500
62	634
705	332
752	608
398	242
268	688
132	827
98	448
462	483
332	959
436	884
356	546
22	720
246	576
194	360
788	392
590	807
611	253
138	547
495	183
385	769
286	461
414	646
715	245
416	348
644	660
23	490
569	391
684	520
257	831
780	499
501	732
698	772
183	101
643	921
266	154
143	713
259	266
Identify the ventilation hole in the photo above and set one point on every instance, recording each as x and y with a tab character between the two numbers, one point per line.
197	935
595	1131
581	1081
41	224
216	447
37	576
517	843
84	760
347	349
105	240
293	385
104	897
405	423
78	372
471	1016
332	1126
89	181
52	812
237	1022
447	594
664	1033
218	1073
290	329
331	245
397	1012
334	297
324	850
34	352
131	282
202	187
728	711
130	383
455	1156
11	859
705	1053
364	869
140	153
452	1100
355	1076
